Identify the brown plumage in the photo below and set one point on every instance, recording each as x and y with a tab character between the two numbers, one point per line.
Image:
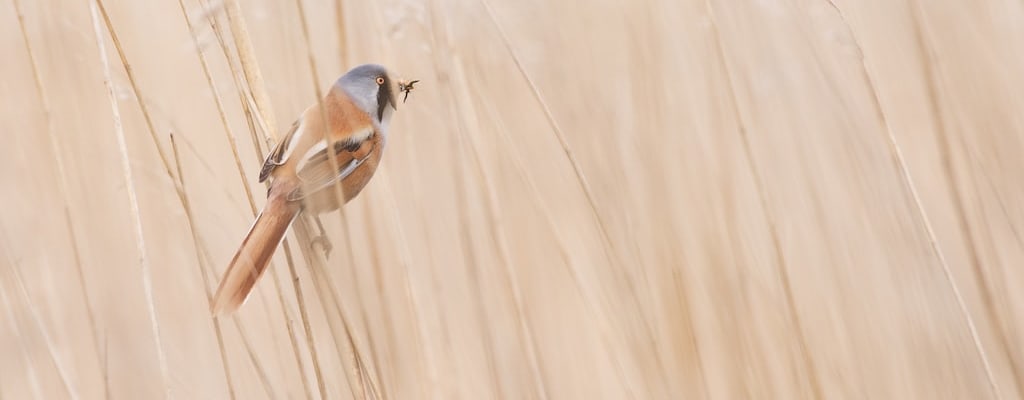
253	255
303	178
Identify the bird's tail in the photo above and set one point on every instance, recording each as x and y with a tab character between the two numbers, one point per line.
254	253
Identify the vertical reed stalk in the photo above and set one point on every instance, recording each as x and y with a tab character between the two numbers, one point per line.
196	242
58	161
126	168
232	142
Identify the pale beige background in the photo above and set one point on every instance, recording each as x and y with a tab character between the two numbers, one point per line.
803	199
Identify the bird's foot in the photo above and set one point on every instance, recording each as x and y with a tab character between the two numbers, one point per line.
324	243
321	238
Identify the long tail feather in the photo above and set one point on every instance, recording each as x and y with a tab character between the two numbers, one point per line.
253	255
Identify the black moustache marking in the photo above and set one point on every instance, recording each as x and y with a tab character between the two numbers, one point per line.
383	98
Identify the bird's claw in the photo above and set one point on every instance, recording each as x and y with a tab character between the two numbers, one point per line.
324	243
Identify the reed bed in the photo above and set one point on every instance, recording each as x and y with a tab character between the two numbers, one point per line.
665	199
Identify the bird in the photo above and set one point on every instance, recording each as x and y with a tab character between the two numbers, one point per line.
353	118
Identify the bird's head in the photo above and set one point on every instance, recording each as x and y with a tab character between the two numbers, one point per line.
371	89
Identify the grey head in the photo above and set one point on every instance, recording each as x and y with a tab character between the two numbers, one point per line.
369	86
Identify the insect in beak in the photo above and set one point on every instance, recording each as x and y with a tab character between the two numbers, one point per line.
406	87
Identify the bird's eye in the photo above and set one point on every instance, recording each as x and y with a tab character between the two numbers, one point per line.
380	80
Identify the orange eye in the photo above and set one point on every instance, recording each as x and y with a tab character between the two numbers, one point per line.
380	80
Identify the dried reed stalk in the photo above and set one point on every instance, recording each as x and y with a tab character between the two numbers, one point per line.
51	347
619	265
133	201
780	258
466	143
608	247
461	205
358	363
376	267
33	375
16	279
220	106
261	373
331	306
207	288
249	196
491	205
138	94
243	333
250	66
245	96
256	87
213	276
925	54
167	167
589	293
58	160
405	258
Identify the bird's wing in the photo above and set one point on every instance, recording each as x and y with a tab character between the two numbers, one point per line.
277	155
317	171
